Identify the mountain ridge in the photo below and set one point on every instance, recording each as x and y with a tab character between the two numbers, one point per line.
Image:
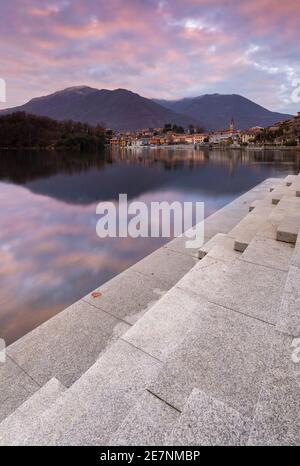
216	110
118	109
121	109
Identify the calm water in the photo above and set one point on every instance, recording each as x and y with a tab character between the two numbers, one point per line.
50	253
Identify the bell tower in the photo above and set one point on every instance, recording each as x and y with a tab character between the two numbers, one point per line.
232	125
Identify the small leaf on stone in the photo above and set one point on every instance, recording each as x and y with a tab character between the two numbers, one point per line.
96	294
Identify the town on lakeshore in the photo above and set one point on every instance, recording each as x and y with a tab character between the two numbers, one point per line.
283	134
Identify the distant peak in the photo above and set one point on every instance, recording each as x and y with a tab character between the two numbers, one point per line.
79	89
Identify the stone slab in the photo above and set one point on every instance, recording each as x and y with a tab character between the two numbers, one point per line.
279	193
296	256
91	410
288	229
277	415
225	356
150	422
163	328
248	288
269	252
227	217
286	205
15	387
291	179
206	421
219	247
165	265
128	295
12	429
289	313
66	345
245	231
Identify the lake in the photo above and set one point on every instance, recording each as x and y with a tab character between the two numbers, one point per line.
50	253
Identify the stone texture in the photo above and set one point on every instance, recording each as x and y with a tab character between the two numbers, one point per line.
292	179
225	356
13	428
248	288
66	345
225	218
296	256
279	193
245	231
129	295
254	204
91	410
289	313
279	213
220	247
163	328
288	229
150	422
269	252
15	387
166	265
277	416
207	421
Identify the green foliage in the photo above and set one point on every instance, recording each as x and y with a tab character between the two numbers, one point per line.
291	143
21	130
174	128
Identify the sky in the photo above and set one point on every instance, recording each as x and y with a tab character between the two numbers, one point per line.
158	48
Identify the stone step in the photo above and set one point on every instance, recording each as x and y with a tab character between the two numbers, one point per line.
13	429
68	344
254	204
150	422
168	323
288	229
287	206
279	193
256	220
269	253
292	179
220	247
207	421
225	355
91	410
245	287
16	386
289	313
164	327
276	421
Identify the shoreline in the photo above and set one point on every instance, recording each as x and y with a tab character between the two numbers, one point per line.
87	328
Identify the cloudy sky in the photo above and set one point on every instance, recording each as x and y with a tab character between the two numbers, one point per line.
165	49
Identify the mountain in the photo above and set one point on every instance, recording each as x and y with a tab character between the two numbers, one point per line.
119	109
214	111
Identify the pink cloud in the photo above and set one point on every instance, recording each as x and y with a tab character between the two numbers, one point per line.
162	49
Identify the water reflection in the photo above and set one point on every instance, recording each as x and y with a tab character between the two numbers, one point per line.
50	254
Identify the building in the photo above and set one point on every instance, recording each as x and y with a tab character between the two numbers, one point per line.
200	138
225	135
250	134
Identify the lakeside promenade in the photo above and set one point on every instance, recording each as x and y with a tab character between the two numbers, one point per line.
185	347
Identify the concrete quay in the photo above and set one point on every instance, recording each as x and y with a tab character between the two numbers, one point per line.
186	347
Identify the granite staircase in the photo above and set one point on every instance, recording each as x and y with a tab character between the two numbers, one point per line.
212	361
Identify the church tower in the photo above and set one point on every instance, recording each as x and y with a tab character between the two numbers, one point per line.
232	125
